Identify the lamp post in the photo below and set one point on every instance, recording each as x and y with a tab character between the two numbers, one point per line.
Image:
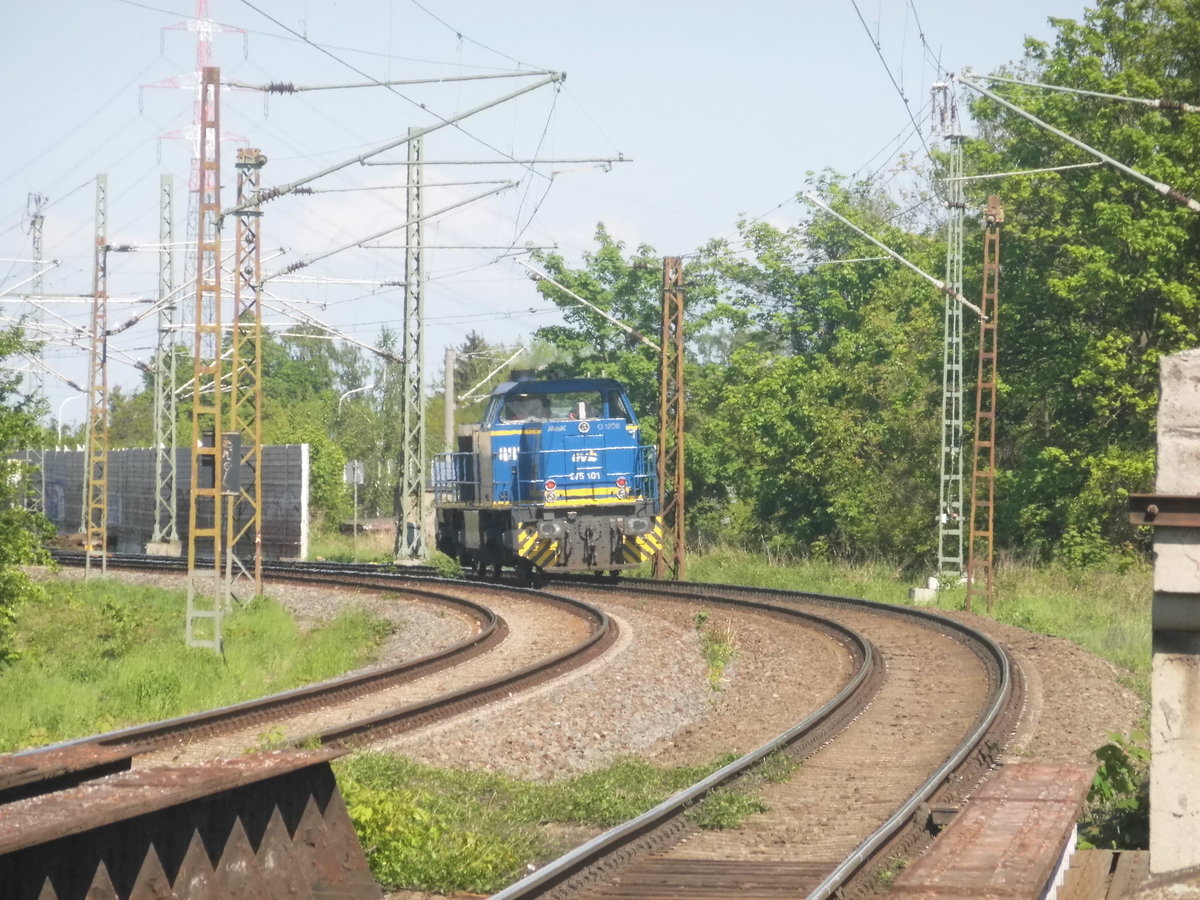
365	387
61	406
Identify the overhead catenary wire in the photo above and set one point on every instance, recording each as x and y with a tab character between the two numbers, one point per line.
899	90
462	37
307	261
287	308
413	134
632	332
443	121
287	87
936	282
1166	190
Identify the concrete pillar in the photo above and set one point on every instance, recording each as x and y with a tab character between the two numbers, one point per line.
1175	677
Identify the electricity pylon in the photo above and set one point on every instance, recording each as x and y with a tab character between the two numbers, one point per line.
95	512
207	596
410	528
950	493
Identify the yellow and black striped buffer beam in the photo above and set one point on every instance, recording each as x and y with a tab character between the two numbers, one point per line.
540	551
639	548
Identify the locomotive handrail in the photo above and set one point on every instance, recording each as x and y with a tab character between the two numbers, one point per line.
456	478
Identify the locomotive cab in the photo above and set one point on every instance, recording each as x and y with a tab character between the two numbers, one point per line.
553	477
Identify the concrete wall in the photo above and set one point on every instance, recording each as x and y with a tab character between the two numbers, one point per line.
131	486
1175	677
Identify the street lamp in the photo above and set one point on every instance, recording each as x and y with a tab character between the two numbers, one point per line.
365	387
60	415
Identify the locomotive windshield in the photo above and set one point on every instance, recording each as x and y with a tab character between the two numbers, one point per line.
580	404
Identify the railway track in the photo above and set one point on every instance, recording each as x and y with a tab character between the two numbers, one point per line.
855	803
861	800
232	729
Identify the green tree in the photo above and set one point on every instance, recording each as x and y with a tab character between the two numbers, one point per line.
1099	272
824	424
629	290
22	532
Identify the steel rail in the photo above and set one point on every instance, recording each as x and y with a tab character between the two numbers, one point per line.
902	817
141	737
576	861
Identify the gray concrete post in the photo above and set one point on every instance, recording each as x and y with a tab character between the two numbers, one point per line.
1175	619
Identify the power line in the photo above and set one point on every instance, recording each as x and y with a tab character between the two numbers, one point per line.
899	90
462	37
354	68
303	40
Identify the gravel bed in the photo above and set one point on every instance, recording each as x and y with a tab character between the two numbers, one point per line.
665	709
1074	700
536	631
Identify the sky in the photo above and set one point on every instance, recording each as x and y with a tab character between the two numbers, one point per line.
675	120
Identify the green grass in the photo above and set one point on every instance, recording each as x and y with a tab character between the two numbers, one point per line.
371	546
443	830
876	581
103	654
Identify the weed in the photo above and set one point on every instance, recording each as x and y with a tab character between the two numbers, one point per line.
273	738
446	566
457	830
888	875
718	647
778	767
725	808
371	546
1118	808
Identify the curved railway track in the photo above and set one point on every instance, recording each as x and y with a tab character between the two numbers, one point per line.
72	762
859	802
873	761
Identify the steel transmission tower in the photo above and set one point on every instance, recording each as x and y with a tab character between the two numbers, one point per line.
245	405
95	505
983	471
207	597
410	528
950	496
165	474
670	424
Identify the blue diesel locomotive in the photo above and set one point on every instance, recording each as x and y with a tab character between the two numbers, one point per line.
554	478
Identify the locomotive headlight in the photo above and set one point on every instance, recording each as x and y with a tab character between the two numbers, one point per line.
622	493
550	531
551	496
622	481
551	484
